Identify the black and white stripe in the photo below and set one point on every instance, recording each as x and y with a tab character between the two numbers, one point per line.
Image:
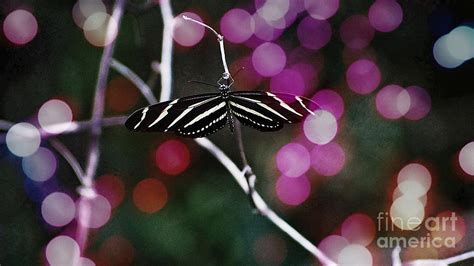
202	115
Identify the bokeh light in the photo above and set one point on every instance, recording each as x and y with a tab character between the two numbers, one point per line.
407	213
237	25
121	95
83	9
269	249
321	9
415	172
58	209
328	159
20	27
420	103
330	101
443	55
293	190
172	157
314	34
40	166
412	188
354	254
23	139
116	250
150	195
332	245
350	55
263	30
55	116
359	229
112	188
83	261
93	212
460	43
385	15
320	128
293	160
62	250
356	32
272	10
466	158
392	101
187	33
363	76
308	73
268	59
100	29
288	81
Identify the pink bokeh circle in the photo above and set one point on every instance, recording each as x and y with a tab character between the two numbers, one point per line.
363	76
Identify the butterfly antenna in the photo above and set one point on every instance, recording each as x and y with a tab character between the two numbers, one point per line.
237	72
203	83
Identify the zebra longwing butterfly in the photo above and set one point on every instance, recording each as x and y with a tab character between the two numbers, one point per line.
201	115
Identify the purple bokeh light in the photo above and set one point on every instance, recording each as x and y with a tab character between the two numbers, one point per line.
350	55
237	25
58	209
293	191
264	30
20	27
288	81
331	101
363	76
321	9
358	228
308	73
356	32
314	34
332	246
40	166
293	160
385	15
93	212
268	59
328	159
420	103
392	101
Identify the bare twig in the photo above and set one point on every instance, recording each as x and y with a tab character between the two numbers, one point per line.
396	261
166	49
125	71
69	157
98	109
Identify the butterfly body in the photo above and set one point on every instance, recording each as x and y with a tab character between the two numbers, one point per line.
204	114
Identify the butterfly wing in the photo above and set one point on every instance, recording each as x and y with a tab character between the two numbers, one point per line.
268	111
193	116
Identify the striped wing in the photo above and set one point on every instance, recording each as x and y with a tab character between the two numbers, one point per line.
193	116
267	111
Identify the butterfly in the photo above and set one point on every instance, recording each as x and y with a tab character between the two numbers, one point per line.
204	114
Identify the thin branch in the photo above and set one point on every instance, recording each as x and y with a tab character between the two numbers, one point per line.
98	109
125	71
69	157
220	39
166	49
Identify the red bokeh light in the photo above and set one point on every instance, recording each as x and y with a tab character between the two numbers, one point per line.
112	188
172	157
150	195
